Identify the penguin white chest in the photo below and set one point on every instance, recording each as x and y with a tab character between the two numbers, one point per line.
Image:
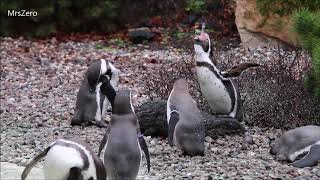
214	91
59	160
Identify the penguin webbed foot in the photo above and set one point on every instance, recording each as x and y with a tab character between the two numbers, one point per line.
99	124
84	124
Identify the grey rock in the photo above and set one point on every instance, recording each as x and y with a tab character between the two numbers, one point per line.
138	35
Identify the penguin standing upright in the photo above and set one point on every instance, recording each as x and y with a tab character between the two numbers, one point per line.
69	159
123	142
91	104
300	146
185	125
217	87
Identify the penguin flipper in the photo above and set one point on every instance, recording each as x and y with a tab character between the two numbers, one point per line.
310	159
103	141
237	70
174	118
33	163
144	147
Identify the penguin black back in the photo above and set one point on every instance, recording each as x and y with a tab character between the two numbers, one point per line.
123	142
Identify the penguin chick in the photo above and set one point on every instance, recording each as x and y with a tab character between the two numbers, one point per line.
91	105
69	159
123	143
299	146
185	125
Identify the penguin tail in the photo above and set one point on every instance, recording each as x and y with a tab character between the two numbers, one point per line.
33	163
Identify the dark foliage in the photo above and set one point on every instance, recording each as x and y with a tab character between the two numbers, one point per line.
286	7
61	15
307	26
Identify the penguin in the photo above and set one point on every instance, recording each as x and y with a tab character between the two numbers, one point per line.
218	87
91	105
69	159
185	125
123	143
300	146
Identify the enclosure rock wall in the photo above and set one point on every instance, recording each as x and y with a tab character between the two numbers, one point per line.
258	30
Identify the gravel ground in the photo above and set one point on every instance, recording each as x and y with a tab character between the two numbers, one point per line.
39	83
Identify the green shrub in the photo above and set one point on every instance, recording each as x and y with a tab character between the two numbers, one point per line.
196	6
307	26
60	15
285	7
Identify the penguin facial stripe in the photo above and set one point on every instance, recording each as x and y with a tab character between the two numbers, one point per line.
103	67
294	155
91	170
169	106
98	111
105	106
114	76
83	155
131	103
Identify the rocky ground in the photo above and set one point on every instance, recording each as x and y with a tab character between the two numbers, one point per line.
39	83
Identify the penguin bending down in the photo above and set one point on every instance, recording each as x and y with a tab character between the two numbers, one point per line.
300	146
69	159
123	142
185	125
91	105
217	87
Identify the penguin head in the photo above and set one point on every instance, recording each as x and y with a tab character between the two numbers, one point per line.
181	85
122	110
96	70
122	103
202	43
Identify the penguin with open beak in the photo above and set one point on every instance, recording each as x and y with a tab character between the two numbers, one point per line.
185	125
217	86
91	104
300	146
69	159
123	143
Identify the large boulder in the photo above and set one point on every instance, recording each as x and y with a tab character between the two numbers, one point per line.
153	121
139	35
259	30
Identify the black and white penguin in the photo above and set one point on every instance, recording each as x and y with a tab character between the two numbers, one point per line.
69	159
301	146
123	143
185	125
217	86
91	105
